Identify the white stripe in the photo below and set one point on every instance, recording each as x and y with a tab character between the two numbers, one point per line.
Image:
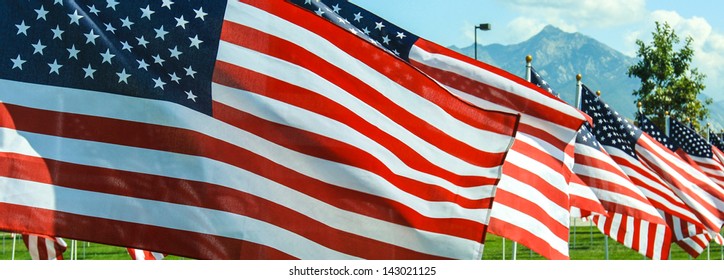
199	169
284	113
628	234
139	254
617	154
678	234
33	246
527	192
560	132
166	164
531	225
246	15
50	247
615	226
293	74
195	219
473	72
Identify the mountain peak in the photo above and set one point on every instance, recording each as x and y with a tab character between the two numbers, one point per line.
551	29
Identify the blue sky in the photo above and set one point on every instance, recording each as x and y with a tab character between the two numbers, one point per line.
617	23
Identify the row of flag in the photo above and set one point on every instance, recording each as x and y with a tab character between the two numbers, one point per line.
314	129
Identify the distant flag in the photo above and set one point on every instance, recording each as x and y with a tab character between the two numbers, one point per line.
628	217
531	203
537	80
43	247
143	255
660	174
235	130
716	140
699	151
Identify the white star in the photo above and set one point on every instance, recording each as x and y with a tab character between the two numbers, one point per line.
402	36
142	41
200	13
174	78
158	83
22	28
89	71
157	59
174	52
112	4
147	12
126	46
160	33
142	64
54	67
190	95
307	2
91	37
190	72
93	10
60	2
195	41
123	77
366	31
379	25
41	13
17	63
358	17
107	56
73	52
75	17
57	32
126	23
319	12
336	9
167	4
38	48
180	21
110	28
386	40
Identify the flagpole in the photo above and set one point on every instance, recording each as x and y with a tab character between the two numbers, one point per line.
579	89
666	125
12	256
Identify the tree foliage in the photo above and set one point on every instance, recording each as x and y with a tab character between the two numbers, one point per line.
668	83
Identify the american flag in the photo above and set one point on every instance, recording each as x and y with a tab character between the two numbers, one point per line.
42	247
143	255
241	130
716	140
640	157
623	202
531	201
538	80
698	151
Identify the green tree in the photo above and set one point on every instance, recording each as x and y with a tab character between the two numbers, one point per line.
668	83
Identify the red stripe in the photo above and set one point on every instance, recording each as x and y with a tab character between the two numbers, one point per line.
528	239
193	143
499	96
533	210
120	233
237	77
498	122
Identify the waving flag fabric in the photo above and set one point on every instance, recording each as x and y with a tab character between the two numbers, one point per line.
716	140
643	159
143	255
240	130
42	247
531	200
699	151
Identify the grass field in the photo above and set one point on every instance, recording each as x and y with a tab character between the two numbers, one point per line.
586	244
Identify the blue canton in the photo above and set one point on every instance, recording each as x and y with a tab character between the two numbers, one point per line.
162	49
689	140
536	79
653	131
716	140
610	128
363	23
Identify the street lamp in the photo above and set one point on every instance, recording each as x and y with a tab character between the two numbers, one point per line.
483	27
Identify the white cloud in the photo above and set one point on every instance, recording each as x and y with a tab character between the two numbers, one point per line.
576	14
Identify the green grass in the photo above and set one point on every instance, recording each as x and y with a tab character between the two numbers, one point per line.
588	244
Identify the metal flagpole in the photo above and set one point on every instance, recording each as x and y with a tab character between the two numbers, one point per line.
503	248
12	256
666	125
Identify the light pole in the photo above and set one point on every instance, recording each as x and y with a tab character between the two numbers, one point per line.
483	27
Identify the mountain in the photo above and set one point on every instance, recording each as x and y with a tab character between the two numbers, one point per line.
558	56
